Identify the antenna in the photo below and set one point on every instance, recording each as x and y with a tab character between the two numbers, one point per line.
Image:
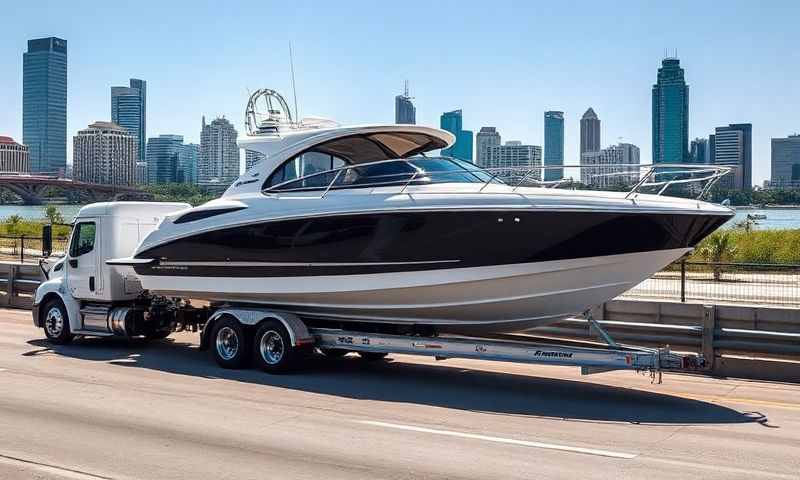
405	90
294	88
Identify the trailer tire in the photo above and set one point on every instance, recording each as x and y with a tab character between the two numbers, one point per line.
372	356
229	343
55	322
273	351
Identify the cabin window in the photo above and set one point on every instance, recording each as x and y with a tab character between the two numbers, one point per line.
82	239
308	163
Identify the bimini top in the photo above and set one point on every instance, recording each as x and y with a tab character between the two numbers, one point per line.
331	147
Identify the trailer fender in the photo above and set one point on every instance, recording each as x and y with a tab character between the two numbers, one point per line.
298	332
55	289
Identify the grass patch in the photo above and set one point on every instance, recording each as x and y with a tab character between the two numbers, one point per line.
757	246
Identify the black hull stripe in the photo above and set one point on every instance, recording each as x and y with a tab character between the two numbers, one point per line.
418	241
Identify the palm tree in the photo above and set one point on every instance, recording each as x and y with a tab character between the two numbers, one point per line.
718	248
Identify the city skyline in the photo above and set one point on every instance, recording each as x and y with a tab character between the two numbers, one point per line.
546	73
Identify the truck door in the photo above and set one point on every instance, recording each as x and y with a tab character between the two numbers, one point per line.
82	258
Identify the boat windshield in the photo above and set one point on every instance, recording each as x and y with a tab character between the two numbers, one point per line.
409	171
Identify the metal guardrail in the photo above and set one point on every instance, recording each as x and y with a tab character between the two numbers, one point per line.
738	341
29	249
18	283
740	283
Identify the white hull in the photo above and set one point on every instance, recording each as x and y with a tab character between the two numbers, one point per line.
500	298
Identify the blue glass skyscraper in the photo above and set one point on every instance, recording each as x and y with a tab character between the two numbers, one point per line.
553	144
129	110
44	104
453	123
169	160
670	114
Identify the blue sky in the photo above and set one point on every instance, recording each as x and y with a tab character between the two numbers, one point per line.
503	63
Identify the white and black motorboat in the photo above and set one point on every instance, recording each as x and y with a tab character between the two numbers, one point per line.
356	223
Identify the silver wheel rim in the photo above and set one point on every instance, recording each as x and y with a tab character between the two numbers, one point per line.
227	343
271	347
54	322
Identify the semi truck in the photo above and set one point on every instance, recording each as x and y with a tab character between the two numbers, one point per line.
86	294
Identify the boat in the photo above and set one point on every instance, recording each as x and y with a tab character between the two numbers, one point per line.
756	216
366	224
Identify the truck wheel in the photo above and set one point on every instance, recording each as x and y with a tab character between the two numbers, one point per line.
273	351
56	323
373	356
230	344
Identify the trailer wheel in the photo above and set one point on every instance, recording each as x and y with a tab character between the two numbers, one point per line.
55	322
372	356
231	347
273	351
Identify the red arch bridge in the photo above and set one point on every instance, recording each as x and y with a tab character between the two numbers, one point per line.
31	189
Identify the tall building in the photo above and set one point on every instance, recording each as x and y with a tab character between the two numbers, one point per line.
14	157
44	104
516	157
404	109
251	157
733	147
670	114
698	151
485	138
104	153
590	132
192	154
453	123
554	144
606	168
169	160
786	162
129	110
218	163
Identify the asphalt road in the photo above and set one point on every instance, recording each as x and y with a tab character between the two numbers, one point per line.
164	410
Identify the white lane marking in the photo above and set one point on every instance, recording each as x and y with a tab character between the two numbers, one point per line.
50	469
2	369
509	441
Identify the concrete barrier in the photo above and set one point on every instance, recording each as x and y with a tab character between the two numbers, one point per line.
18	284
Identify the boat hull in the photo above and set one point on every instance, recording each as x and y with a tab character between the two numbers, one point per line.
502	298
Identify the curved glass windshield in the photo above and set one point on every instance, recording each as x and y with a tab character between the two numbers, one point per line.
411	171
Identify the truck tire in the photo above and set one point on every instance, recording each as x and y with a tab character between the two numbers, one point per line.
55	322
372	356
273	351
229	343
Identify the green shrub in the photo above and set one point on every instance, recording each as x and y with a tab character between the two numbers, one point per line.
756	246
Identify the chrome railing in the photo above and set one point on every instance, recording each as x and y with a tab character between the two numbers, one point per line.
639	177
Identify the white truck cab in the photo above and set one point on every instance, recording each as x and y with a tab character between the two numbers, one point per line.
82	289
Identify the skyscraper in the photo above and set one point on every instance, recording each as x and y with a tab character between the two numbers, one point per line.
733	147
404	109
453	123
44	104
670	114
554	144
129	110
786	162
218	163
104	153
169	160
590	132
485	138
698	151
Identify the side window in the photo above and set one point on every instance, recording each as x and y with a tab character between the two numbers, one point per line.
82	239
306	164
